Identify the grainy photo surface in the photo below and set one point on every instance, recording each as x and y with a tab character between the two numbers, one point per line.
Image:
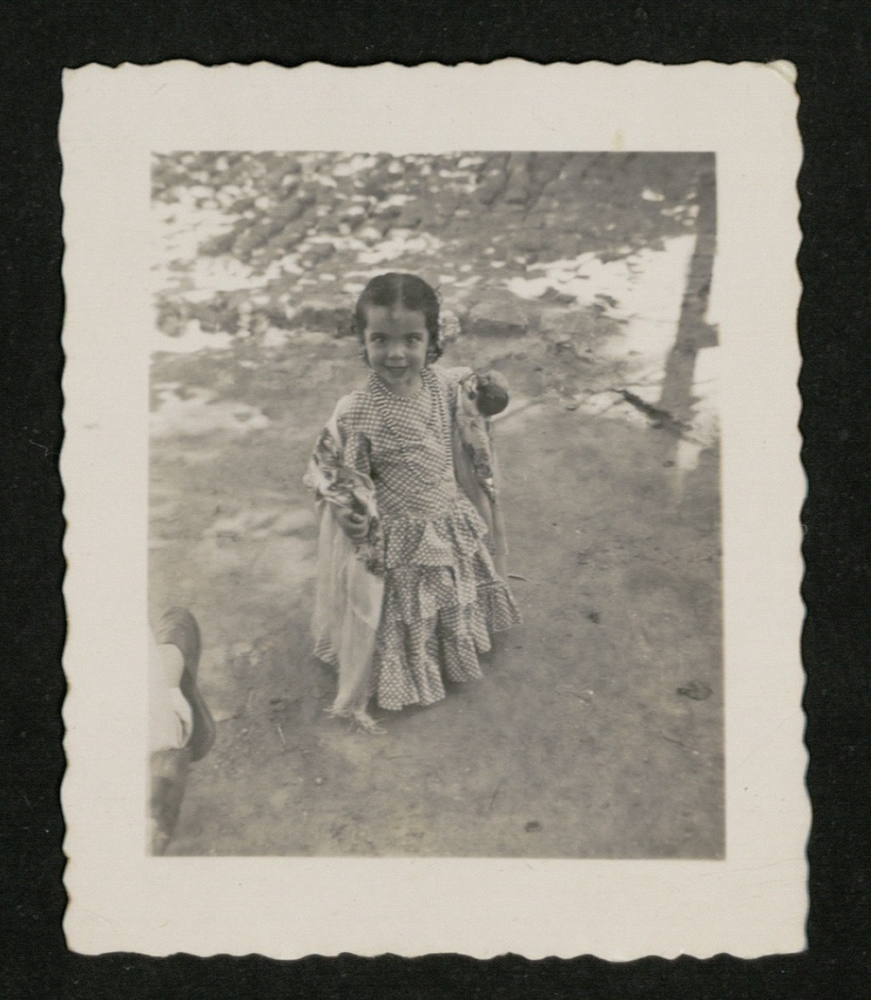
586	281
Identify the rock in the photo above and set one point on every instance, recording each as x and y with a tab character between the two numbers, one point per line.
321	251
570	220
392	212
289	209
566	243
566	326
546	167
430	221
557	298
307	197
695	690
220	244
497	318
446	205
517	190
492	185
286	238
409	218
531	240
323	317
242	205
256	236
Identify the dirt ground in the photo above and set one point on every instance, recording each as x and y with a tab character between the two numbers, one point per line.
598	729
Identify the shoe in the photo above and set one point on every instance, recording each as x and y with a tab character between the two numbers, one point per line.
179	628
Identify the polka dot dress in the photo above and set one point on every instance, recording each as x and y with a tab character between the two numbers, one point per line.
442	596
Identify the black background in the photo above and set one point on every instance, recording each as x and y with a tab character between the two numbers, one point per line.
829	42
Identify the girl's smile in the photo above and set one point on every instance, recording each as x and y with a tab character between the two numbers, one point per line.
396	341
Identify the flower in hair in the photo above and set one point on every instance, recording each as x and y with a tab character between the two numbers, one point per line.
449	326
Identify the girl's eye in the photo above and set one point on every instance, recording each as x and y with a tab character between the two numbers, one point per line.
414	338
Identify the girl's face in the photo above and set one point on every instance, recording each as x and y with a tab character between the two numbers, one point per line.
396	341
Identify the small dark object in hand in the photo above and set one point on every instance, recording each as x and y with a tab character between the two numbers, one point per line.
533	826
492	394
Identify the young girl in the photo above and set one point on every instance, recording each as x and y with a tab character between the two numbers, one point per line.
411	578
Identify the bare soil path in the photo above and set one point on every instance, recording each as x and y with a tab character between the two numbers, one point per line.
577	743
598	729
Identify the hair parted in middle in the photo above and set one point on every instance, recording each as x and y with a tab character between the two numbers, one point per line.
407	290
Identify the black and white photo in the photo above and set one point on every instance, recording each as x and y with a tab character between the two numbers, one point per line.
432	491
594	728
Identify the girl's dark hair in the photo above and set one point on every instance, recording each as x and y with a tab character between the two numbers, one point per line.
408	291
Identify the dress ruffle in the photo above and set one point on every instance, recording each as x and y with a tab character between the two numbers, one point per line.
435	622
433	541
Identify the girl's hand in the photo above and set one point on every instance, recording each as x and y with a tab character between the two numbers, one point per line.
492	393
355	526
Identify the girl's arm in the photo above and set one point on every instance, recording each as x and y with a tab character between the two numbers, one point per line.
331	481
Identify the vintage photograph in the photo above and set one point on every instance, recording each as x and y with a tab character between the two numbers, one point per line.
434	533
432	490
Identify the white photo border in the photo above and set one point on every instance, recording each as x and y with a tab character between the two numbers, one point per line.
752	903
